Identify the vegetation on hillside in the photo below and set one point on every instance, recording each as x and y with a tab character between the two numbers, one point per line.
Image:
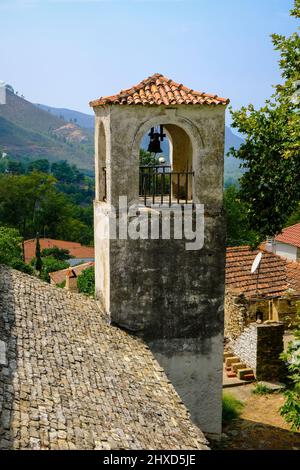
29	132
270	187
57	206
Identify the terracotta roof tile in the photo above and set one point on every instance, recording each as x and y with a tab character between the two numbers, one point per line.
293	273
290	235
76	249
59	276
271	281
157	90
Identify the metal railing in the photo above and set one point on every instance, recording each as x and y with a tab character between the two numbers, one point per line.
159	184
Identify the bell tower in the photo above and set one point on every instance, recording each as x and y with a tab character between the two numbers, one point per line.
150	281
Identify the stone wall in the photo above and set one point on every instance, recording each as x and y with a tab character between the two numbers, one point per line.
236	315
240	312
259	346
245	346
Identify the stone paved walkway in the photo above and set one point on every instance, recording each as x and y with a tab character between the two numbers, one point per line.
70	381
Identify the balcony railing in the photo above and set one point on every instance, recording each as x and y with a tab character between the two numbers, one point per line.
160	185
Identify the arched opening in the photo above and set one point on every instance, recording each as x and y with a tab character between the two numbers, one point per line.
166	168
101	188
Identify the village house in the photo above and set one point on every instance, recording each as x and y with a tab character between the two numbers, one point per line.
79	253
69	276
260	313
269	294
287	243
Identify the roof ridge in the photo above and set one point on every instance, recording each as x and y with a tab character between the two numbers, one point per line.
179	94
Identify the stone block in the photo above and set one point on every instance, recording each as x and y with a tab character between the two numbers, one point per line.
231	360
238	365
241	373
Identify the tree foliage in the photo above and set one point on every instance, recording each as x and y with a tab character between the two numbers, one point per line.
239	231
291	408
86	281
32	203
11	250
270	187
10	245
38	260
51	264
57	253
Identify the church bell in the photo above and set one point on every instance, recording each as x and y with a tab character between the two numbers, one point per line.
155	139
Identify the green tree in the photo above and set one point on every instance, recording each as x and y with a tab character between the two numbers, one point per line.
147	158
57	253
32	203
38	260
291	408
239	231
15	168
66	173
50	265
86	281
11	250
270	187
10	245
21	200
41	166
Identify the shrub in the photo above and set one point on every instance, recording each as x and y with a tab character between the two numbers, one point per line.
291	408
50	265
21	266
10	245
62	284
261	389
57	253
231	409
86	281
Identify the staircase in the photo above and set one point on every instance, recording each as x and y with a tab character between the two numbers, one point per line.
234	367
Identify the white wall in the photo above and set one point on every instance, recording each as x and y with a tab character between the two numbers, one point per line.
285	250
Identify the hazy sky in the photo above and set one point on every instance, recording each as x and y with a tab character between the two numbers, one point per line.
65	53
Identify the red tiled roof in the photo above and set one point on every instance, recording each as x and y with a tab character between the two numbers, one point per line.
76	249
290	235
160	90
59	276
293	274
272	276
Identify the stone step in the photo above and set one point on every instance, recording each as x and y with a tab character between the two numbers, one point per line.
249	377
238	365
227	354
241	373
230	374
231	360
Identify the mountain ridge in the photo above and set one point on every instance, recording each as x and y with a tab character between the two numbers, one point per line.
42	131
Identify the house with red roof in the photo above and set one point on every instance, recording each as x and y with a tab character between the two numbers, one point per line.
79	253
270	294
287	243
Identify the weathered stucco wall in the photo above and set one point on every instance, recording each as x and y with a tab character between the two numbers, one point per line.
171	297
285	250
